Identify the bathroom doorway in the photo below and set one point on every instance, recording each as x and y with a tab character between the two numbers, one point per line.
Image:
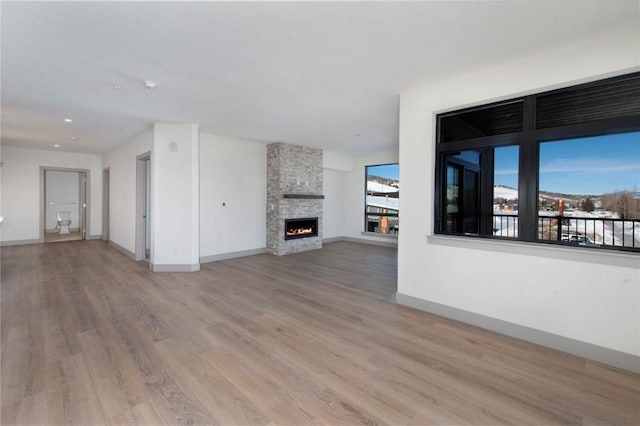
64	205
143	207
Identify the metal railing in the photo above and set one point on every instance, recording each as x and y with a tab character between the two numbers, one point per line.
505	225
576	230
590	231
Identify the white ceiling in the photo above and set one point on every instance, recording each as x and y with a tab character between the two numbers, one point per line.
309	73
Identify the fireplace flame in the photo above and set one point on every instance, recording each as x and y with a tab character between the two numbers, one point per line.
299	231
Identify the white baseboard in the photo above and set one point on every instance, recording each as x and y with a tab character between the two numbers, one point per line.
232	255
565	344
123	250
175	268
19	242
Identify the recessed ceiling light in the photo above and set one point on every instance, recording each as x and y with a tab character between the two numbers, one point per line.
150	84
56	146
68	120
73	138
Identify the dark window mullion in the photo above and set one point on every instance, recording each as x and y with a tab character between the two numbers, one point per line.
486	182
528	177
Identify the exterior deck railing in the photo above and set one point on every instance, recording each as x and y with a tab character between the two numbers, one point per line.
576	230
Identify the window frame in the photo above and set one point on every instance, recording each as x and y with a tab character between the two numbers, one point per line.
366	213
528	140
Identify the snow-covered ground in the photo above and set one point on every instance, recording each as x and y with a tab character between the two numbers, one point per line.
384	202
379	187
504	192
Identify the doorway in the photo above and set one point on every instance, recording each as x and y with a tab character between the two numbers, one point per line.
64	212
143	207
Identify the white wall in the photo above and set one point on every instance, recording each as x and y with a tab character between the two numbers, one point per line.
337	161
233	172
62	194
175	200
334	167
20	198
593	302
333	203
122	188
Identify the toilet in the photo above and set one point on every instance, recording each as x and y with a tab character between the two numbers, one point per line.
64	221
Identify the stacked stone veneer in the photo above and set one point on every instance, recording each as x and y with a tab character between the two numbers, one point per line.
292	169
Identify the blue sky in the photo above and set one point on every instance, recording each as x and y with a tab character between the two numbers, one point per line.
506	166
595	165
389	171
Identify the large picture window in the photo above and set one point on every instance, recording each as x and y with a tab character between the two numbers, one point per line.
560	167
382	209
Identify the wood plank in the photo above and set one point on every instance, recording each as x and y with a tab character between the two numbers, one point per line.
269	397
111	376
323	403
219	395
32	410
174	402
15	365
140	415
71	397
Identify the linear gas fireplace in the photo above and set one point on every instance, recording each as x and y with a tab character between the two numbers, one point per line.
300	228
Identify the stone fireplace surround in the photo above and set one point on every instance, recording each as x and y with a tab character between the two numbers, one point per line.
294	190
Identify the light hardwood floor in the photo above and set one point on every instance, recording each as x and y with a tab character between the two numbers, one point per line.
91	337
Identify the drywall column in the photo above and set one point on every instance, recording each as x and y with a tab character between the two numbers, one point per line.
175	203
335	166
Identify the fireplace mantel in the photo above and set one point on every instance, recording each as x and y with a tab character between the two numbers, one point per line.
304	196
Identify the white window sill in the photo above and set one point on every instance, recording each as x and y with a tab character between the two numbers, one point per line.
577	254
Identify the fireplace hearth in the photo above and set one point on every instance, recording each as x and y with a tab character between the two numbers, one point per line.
300	228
